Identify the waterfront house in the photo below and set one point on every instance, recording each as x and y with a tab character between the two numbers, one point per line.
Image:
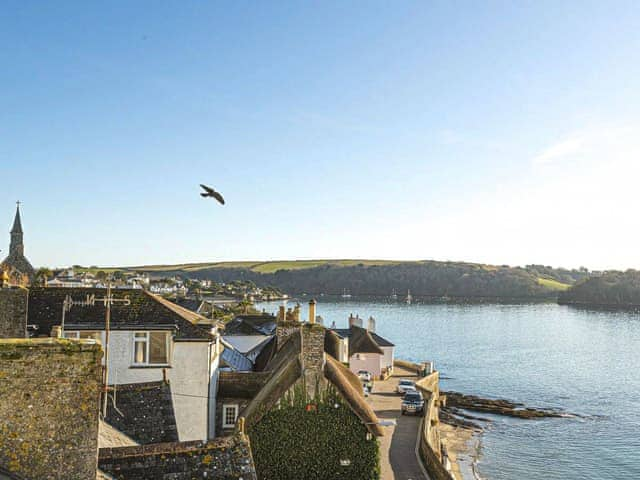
362	349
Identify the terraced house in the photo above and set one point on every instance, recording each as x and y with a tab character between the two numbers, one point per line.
161	365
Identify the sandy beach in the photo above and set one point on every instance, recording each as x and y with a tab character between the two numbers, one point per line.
461	445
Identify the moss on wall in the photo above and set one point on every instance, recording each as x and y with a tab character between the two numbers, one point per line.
299	440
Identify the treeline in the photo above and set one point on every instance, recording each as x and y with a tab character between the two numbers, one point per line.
614	289
427	278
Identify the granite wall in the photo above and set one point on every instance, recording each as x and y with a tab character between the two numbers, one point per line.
49	406
13	312
227	458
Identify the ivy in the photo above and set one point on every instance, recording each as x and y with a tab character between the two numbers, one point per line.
293	442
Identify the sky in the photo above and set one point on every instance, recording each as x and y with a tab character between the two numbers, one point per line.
493	132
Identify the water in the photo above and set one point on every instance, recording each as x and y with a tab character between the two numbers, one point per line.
543	355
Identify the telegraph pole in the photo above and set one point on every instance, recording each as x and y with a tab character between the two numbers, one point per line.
107	324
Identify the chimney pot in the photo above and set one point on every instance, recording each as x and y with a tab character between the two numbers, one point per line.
312	311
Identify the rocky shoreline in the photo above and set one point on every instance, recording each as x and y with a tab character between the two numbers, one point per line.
454	412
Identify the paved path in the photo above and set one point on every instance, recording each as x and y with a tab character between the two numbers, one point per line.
398	445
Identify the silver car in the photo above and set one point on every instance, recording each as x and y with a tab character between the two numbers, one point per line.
405	386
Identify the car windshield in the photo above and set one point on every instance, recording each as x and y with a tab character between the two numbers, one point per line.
406	383
412	397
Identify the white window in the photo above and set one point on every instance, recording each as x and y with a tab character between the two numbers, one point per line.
83	334
150	348
229	415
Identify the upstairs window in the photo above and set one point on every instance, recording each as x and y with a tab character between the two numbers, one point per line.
150	348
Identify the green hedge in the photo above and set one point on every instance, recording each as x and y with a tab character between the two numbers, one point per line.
291	443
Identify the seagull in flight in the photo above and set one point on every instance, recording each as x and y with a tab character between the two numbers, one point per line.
210	192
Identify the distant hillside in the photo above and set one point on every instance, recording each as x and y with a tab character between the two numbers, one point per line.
381	277
611	289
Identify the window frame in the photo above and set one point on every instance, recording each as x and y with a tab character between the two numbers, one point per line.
225	408
147	341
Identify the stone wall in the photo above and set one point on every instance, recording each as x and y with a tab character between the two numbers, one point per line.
49	406
430	445
284	329
144	412
242	403
241	384
13	312
226	458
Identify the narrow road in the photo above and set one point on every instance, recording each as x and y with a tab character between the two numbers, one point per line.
398	459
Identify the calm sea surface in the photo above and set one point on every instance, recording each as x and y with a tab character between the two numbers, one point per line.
544	355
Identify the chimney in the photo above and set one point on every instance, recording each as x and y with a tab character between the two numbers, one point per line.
357	321
352	320
49	423
312	311
296	312
371	325
281	313
313	358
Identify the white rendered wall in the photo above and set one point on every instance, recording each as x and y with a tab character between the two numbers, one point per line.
121	361
213	386
189	379
367	361
386	361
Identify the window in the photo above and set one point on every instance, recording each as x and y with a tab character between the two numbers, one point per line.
229	415
83	334
92	335
150	348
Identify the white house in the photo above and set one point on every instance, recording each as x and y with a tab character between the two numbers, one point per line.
363	349
151	341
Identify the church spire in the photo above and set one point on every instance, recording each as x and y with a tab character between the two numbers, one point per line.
17	242
17	222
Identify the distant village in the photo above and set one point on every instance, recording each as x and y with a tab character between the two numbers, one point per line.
120	375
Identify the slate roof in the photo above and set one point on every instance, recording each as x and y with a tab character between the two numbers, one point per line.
380	341
236	360
145	312
361	341
261	324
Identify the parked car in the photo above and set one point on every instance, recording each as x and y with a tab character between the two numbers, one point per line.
405	386
413	402
365	376
366	389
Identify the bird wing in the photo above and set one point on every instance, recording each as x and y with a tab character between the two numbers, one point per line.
207	189
218	197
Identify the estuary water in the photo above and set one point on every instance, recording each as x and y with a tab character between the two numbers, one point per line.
544	355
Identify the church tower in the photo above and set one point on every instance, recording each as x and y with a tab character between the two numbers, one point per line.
16	262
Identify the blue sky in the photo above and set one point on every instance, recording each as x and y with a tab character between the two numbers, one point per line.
499	132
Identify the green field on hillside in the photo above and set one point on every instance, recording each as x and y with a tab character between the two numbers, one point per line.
553	284
261	267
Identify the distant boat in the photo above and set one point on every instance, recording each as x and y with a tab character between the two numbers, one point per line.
345	294
394	295
409	297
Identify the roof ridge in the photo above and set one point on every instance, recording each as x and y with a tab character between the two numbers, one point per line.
185	313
